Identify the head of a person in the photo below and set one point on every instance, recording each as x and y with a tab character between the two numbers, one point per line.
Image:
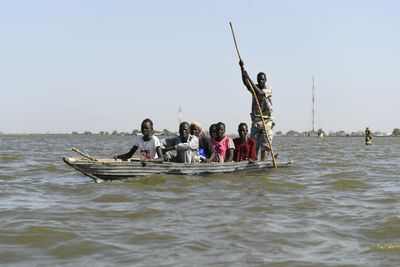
184	130
147	127
213	130
261	78
220	131
196	128
243	130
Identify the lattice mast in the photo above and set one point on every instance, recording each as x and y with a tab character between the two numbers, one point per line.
313	104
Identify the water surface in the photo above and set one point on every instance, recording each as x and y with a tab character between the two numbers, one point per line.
338	205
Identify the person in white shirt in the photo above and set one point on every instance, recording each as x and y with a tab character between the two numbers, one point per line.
185	145
148	144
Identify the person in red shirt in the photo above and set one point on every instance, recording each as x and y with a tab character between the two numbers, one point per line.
245	147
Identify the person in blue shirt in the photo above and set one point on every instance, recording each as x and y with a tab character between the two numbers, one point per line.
206	149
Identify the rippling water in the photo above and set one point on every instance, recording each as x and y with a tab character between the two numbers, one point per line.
338	205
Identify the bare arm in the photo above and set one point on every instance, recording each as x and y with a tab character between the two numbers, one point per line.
159	154
245	75
212	156
168	148
229	154
211	151
169	144
248	82
127	155
190	144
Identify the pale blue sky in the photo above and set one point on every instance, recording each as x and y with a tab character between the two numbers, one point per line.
104	65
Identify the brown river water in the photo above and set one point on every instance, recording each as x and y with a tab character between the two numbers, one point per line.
337	205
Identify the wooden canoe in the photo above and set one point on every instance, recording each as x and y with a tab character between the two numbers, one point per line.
108	169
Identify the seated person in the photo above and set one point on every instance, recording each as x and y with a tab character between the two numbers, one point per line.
223	145
245	147
206	149
212	130
186	146
148	144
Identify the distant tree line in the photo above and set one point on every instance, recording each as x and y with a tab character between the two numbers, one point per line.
164	132
341	133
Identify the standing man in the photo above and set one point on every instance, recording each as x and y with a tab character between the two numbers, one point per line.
263	93
368	136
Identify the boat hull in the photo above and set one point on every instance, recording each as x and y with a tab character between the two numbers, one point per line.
108	169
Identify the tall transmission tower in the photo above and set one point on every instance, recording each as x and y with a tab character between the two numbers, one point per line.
180	115
313	104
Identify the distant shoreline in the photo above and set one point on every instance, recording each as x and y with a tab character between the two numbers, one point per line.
230	135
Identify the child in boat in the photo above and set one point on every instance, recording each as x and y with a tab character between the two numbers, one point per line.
148	144
212	130
206	149
223	145
245	147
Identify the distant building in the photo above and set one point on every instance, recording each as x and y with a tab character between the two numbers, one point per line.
381	134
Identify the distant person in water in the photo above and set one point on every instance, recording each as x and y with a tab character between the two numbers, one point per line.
223	145
245	147
185	145
148	144
212	131
263	93
206	149
368	136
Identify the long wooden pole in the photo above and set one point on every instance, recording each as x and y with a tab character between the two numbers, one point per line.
83	154
258	104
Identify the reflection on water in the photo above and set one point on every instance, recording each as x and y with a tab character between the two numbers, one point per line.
337	205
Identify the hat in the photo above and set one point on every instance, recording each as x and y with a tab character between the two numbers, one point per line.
198	125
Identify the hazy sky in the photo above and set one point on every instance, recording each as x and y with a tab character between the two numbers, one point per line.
107	65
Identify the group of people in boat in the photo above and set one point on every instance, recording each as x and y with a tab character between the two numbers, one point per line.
192	145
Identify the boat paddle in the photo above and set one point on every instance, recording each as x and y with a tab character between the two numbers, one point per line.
258	104
83	154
